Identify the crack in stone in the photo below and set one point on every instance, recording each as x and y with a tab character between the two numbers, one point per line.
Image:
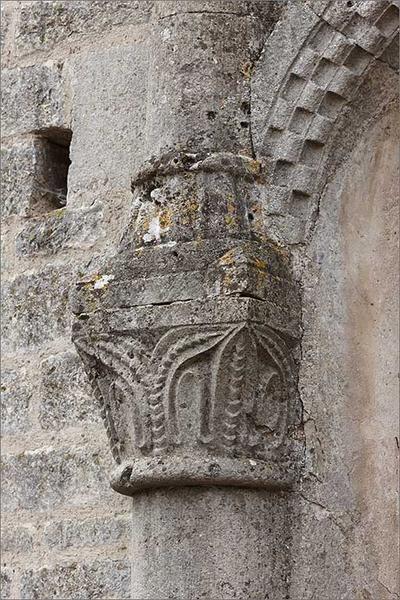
204	12
326	509
394	594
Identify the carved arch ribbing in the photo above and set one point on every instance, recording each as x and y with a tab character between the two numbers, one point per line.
322	76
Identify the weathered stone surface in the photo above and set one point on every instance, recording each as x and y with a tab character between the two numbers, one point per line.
5	582
17	178
214	529
35	308
78	580
66	398
239	423
32	99
109	88
349	355
195	263
60	230
42	25
16	393
186	118
17	539
47	478
6	16
281	49
91	532
391	54
227	7
320	532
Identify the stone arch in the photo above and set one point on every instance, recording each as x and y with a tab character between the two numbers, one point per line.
297	105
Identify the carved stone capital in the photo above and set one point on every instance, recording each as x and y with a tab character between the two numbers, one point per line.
191	345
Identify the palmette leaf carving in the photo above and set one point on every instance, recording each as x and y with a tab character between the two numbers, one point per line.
165	365
225	389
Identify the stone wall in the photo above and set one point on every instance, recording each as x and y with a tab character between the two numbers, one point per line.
80	67
77	81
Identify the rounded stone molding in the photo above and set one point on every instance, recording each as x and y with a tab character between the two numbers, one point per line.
181	471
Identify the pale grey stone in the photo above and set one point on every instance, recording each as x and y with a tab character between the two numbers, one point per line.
109	88
5	584
17	539
59	230
78	581
18	164
32	99
46	478
199	264
213	529
5	25
244	431
90	532
35	308
281	48
43	25
65	395
16	393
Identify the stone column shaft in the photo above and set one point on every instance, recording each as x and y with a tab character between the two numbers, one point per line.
190	334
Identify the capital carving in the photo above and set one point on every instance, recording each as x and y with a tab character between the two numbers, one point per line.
191	346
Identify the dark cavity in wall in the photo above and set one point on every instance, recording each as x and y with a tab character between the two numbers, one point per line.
53	161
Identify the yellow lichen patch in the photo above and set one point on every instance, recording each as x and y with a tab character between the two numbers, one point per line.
165	219
59	212
230	218
89	283
227	281
228	258
189	212
246	70
258	263
254	166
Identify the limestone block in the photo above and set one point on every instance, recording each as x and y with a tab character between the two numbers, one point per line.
311	97
229	7
60	230
43	25
109	88
66	398
182	116
16	392
5	25
281	49
90	532
78	580
48	478
32	99
35	308
17	539
6	580
18	164
391	54
287	228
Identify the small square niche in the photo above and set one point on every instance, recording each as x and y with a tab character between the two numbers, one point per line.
52	161
34	173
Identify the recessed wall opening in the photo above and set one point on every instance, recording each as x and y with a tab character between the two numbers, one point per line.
52	150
